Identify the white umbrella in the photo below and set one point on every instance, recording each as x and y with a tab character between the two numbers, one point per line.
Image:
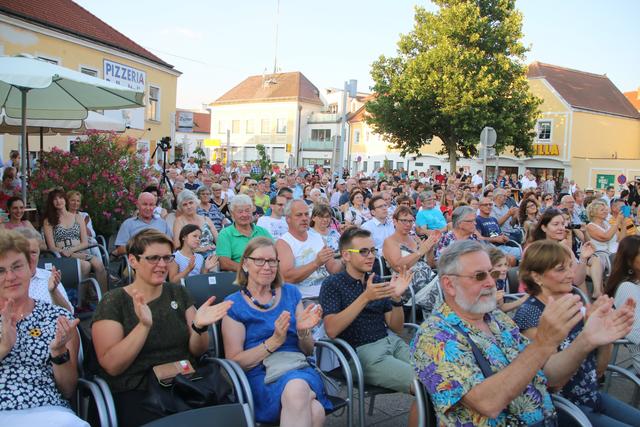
35	89
94	120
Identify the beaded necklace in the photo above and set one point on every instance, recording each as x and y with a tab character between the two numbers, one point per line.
257	303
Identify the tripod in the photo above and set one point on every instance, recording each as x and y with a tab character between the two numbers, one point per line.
164	178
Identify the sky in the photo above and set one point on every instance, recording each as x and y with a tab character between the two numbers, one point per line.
216	44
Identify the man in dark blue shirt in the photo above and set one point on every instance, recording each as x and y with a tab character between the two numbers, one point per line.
489	228
358	310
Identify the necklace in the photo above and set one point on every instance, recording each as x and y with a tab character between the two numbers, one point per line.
257	303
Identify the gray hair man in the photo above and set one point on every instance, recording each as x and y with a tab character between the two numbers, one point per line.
468	350
143	220
305	258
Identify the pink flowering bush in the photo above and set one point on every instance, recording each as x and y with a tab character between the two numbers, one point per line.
105	168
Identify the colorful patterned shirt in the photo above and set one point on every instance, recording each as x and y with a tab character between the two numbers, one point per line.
445	364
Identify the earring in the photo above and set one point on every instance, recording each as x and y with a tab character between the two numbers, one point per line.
630	272
246	271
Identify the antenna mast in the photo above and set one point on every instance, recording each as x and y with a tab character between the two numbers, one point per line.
275	55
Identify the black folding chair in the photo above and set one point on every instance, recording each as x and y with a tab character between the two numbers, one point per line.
72	280
231	415
201	287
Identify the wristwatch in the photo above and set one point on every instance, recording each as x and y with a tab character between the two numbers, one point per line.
62	359
397	303
199	331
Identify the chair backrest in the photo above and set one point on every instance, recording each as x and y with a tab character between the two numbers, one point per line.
513	281
201	287
231	415
69	268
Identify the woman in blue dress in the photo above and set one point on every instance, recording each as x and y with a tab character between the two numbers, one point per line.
267	318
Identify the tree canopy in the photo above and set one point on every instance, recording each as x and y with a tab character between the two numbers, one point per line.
460	69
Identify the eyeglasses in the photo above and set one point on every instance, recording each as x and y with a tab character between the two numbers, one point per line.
406	221
364	251
384	206
279	204
486	204
260	262
155	259
16	270
479	276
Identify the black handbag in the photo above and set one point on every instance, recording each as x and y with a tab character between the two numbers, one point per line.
207	387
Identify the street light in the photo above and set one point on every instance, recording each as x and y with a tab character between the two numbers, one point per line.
350	89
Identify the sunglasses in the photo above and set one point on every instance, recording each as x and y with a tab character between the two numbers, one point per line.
155	259
479	276
364	251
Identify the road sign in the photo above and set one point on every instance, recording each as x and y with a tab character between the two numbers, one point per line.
488	137
604	180
622	179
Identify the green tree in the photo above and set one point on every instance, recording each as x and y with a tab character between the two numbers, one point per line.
264	161
460	69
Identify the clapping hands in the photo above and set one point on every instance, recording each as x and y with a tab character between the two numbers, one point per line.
208	314
309	317
604	324
54	280
65	330
9	332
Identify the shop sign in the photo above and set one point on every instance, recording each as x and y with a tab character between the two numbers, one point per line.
546	149
211	142
131	78
604	180
185	121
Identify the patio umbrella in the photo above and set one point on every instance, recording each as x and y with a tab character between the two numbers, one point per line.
94	120
35	89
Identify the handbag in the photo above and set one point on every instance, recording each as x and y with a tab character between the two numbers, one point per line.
281	362
208	386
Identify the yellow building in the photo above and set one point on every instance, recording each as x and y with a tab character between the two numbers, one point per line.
64	33
271	110
587	131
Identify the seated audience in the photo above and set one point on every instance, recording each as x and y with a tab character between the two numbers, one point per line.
506	215
275	223
321	219
490	229
15	208
210	210
267	320
356	213
623	283
142	221
546	270
500	267
379	225
362	311
187	208
429	217
38	347
305	258
604	236
463	227
187	261
147	323
503	364
233	239
66	233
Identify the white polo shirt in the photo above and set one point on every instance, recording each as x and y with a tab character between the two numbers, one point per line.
380	231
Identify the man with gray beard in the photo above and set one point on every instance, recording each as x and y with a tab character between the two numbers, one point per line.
476	366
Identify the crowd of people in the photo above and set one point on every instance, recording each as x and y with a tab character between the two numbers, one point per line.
304	246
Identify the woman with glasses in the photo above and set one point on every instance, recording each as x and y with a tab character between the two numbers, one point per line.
219	200
148	323
210	210
268	319
528	216
321	219
463	223
38	346
188	210
547	270
547	202
403	250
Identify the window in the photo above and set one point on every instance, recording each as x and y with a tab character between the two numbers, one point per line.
89	71
153	106
250	126
321	134
235	126
333	108
356	137
544	130
221	127
365	166
376	166
399	165
265	126
281	126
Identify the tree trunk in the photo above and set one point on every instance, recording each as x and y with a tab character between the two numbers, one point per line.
451	150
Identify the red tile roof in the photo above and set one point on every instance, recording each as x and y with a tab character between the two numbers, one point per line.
71	18
585	91
634	98
292	86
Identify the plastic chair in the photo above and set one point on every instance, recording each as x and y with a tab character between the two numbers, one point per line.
426	412
203	286
87	390
568	408
71	276
513	280
230	415
363	389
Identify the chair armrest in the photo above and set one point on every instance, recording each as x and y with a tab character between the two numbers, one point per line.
625	373
98	398
108	400
515	244
242	378
346	372
100	239
421	401
233	377
571	410
93	282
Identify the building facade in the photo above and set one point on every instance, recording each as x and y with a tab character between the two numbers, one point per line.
193	129
68	35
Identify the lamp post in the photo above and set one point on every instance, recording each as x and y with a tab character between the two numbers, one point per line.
350	90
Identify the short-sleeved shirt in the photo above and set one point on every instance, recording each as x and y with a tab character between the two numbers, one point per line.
26	373
231	242
432	219
167	341
338	292
488	227
380	231
132	226
275	227
499	212
445	364
582	388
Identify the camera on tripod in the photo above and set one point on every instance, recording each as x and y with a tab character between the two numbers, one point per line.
165	144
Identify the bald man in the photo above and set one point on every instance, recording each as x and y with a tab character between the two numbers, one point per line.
144	220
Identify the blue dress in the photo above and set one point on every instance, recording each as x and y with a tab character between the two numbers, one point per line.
259	327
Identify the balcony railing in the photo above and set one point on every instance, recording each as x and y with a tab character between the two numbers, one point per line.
316	145
323	118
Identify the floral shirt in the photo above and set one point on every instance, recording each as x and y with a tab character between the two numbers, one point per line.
444	362
582	388
447	239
